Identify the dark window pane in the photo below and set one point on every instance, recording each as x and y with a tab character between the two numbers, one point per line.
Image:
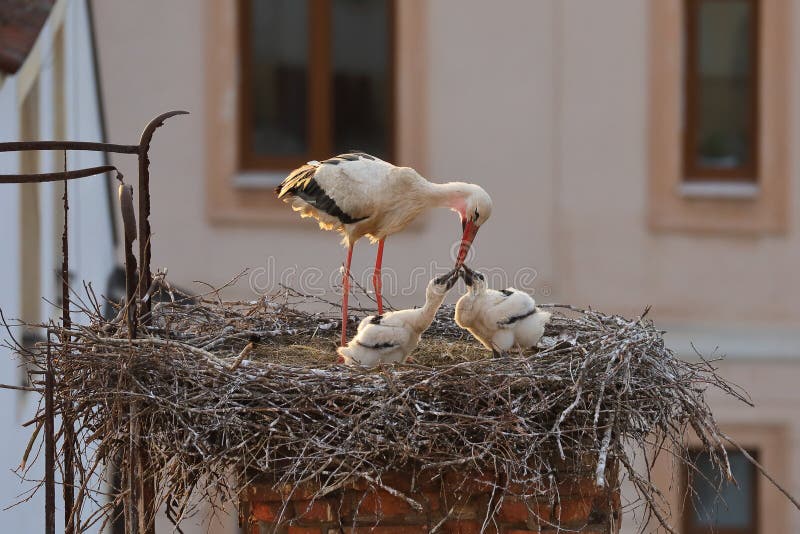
724	81
278	76
361	77
718	504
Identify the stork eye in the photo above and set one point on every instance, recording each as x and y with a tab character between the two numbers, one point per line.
477	215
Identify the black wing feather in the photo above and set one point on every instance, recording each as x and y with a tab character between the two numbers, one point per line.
378	346
516	318
301	183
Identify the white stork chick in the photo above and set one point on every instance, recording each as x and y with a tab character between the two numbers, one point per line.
501	320
392	337
360	195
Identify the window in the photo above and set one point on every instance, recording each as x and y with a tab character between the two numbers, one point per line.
721	76
316	79
719	122
716	506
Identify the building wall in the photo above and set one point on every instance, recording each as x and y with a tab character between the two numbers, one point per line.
64	108
546	104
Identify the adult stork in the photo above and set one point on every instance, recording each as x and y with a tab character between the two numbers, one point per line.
360	195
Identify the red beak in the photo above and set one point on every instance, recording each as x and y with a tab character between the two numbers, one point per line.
470	230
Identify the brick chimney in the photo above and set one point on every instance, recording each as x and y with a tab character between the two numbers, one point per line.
582	506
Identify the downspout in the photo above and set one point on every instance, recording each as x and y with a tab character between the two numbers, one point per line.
101	111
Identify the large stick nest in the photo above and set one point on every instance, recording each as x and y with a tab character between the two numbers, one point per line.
213	409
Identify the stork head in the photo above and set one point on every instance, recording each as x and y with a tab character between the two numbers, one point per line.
475	281
345	356
474	207
441	285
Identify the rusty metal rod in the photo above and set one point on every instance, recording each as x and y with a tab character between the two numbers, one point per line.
70	519
129	229
142	492
125	193
53	176
147	487
145	277
19	146
132	497
49	447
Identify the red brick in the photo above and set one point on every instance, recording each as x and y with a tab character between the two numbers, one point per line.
463	510
461	527
319	510
304	530
405	529
263	511
573	511
433	500
266	492
428	481
359	484
398	481
469	483
380	503
579	487
517	531
514	510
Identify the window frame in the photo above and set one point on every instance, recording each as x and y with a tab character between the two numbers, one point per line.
691	171
689	528
320	90
719	207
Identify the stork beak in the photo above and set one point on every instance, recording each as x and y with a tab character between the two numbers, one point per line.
448	279
453	279
470	230
468	275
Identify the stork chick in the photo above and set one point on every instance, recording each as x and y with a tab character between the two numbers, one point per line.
500	320
391	337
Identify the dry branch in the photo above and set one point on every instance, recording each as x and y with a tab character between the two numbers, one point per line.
230	392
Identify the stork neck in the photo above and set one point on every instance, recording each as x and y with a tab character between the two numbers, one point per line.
451	195
429	309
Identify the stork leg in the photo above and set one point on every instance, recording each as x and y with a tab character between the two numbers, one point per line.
376	276
346	293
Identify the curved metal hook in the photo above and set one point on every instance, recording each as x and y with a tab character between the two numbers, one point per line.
147	134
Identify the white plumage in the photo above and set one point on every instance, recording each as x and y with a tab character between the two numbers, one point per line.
392	337
501	320
360	195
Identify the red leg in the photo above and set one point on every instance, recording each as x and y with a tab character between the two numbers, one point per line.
346	293
376	276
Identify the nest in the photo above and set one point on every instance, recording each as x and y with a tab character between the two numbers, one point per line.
220	394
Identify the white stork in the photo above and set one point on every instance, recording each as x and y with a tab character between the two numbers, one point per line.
360	195
392	336
499	319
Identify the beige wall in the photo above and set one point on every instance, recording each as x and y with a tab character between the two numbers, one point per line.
545	103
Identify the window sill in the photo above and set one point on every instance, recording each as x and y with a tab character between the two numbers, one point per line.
258	179
719	190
